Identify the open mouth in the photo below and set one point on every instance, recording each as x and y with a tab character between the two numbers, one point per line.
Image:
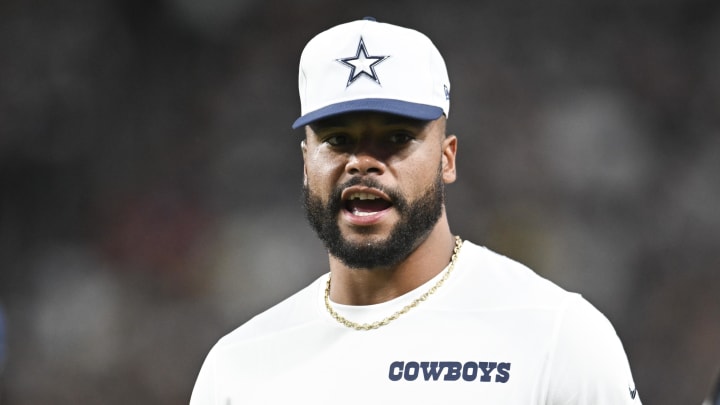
365	203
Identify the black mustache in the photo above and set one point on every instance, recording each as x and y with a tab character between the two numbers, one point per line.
360	181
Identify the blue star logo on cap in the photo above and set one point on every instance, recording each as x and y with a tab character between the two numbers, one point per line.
362	64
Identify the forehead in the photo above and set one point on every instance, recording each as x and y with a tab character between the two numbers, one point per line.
367	118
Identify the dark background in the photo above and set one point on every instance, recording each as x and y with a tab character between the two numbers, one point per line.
150	181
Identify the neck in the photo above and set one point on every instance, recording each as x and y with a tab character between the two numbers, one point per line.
372	286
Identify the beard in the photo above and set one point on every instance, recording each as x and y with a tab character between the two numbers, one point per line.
417	219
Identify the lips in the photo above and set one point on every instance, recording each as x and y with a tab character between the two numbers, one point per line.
365	202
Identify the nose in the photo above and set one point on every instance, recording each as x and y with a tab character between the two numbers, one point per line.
365	161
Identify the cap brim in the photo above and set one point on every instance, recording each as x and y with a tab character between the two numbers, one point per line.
397	107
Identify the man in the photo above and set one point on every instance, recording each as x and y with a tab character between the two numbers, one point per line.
409	313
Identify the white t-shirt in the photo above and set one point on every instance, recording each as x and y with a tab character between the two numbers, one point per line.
494	333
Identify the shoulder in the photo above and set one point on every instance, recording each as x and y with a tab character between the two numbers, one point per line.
496	282
588	364
251	342
586	361
487	278
293	312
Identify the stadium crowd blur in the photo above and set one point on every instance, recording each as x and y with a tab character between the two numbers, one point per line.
150	181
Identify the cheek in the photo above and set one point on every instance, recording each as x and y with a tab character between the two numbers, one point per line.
423	168
320	161
321	174
417	179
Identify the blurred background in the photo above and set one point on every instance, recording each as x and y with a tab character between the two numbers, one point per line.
150	181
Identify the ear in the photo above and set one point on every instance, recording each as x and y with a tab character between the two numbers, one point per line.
449	152
303	147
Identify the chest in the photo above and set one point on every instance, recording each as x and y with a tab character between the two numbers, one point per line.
490	358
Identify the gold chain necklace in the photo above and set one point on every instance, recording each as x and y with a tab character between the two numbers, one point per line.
396	315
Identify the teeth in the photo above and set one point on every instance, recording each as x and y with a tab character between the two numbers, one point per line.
363	196
362	214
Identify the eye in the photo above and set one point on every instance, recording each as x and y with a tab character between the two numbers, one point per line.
337	140
400	138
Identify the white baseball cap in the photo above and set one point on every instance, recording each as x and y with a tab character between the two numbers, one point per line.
366	65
